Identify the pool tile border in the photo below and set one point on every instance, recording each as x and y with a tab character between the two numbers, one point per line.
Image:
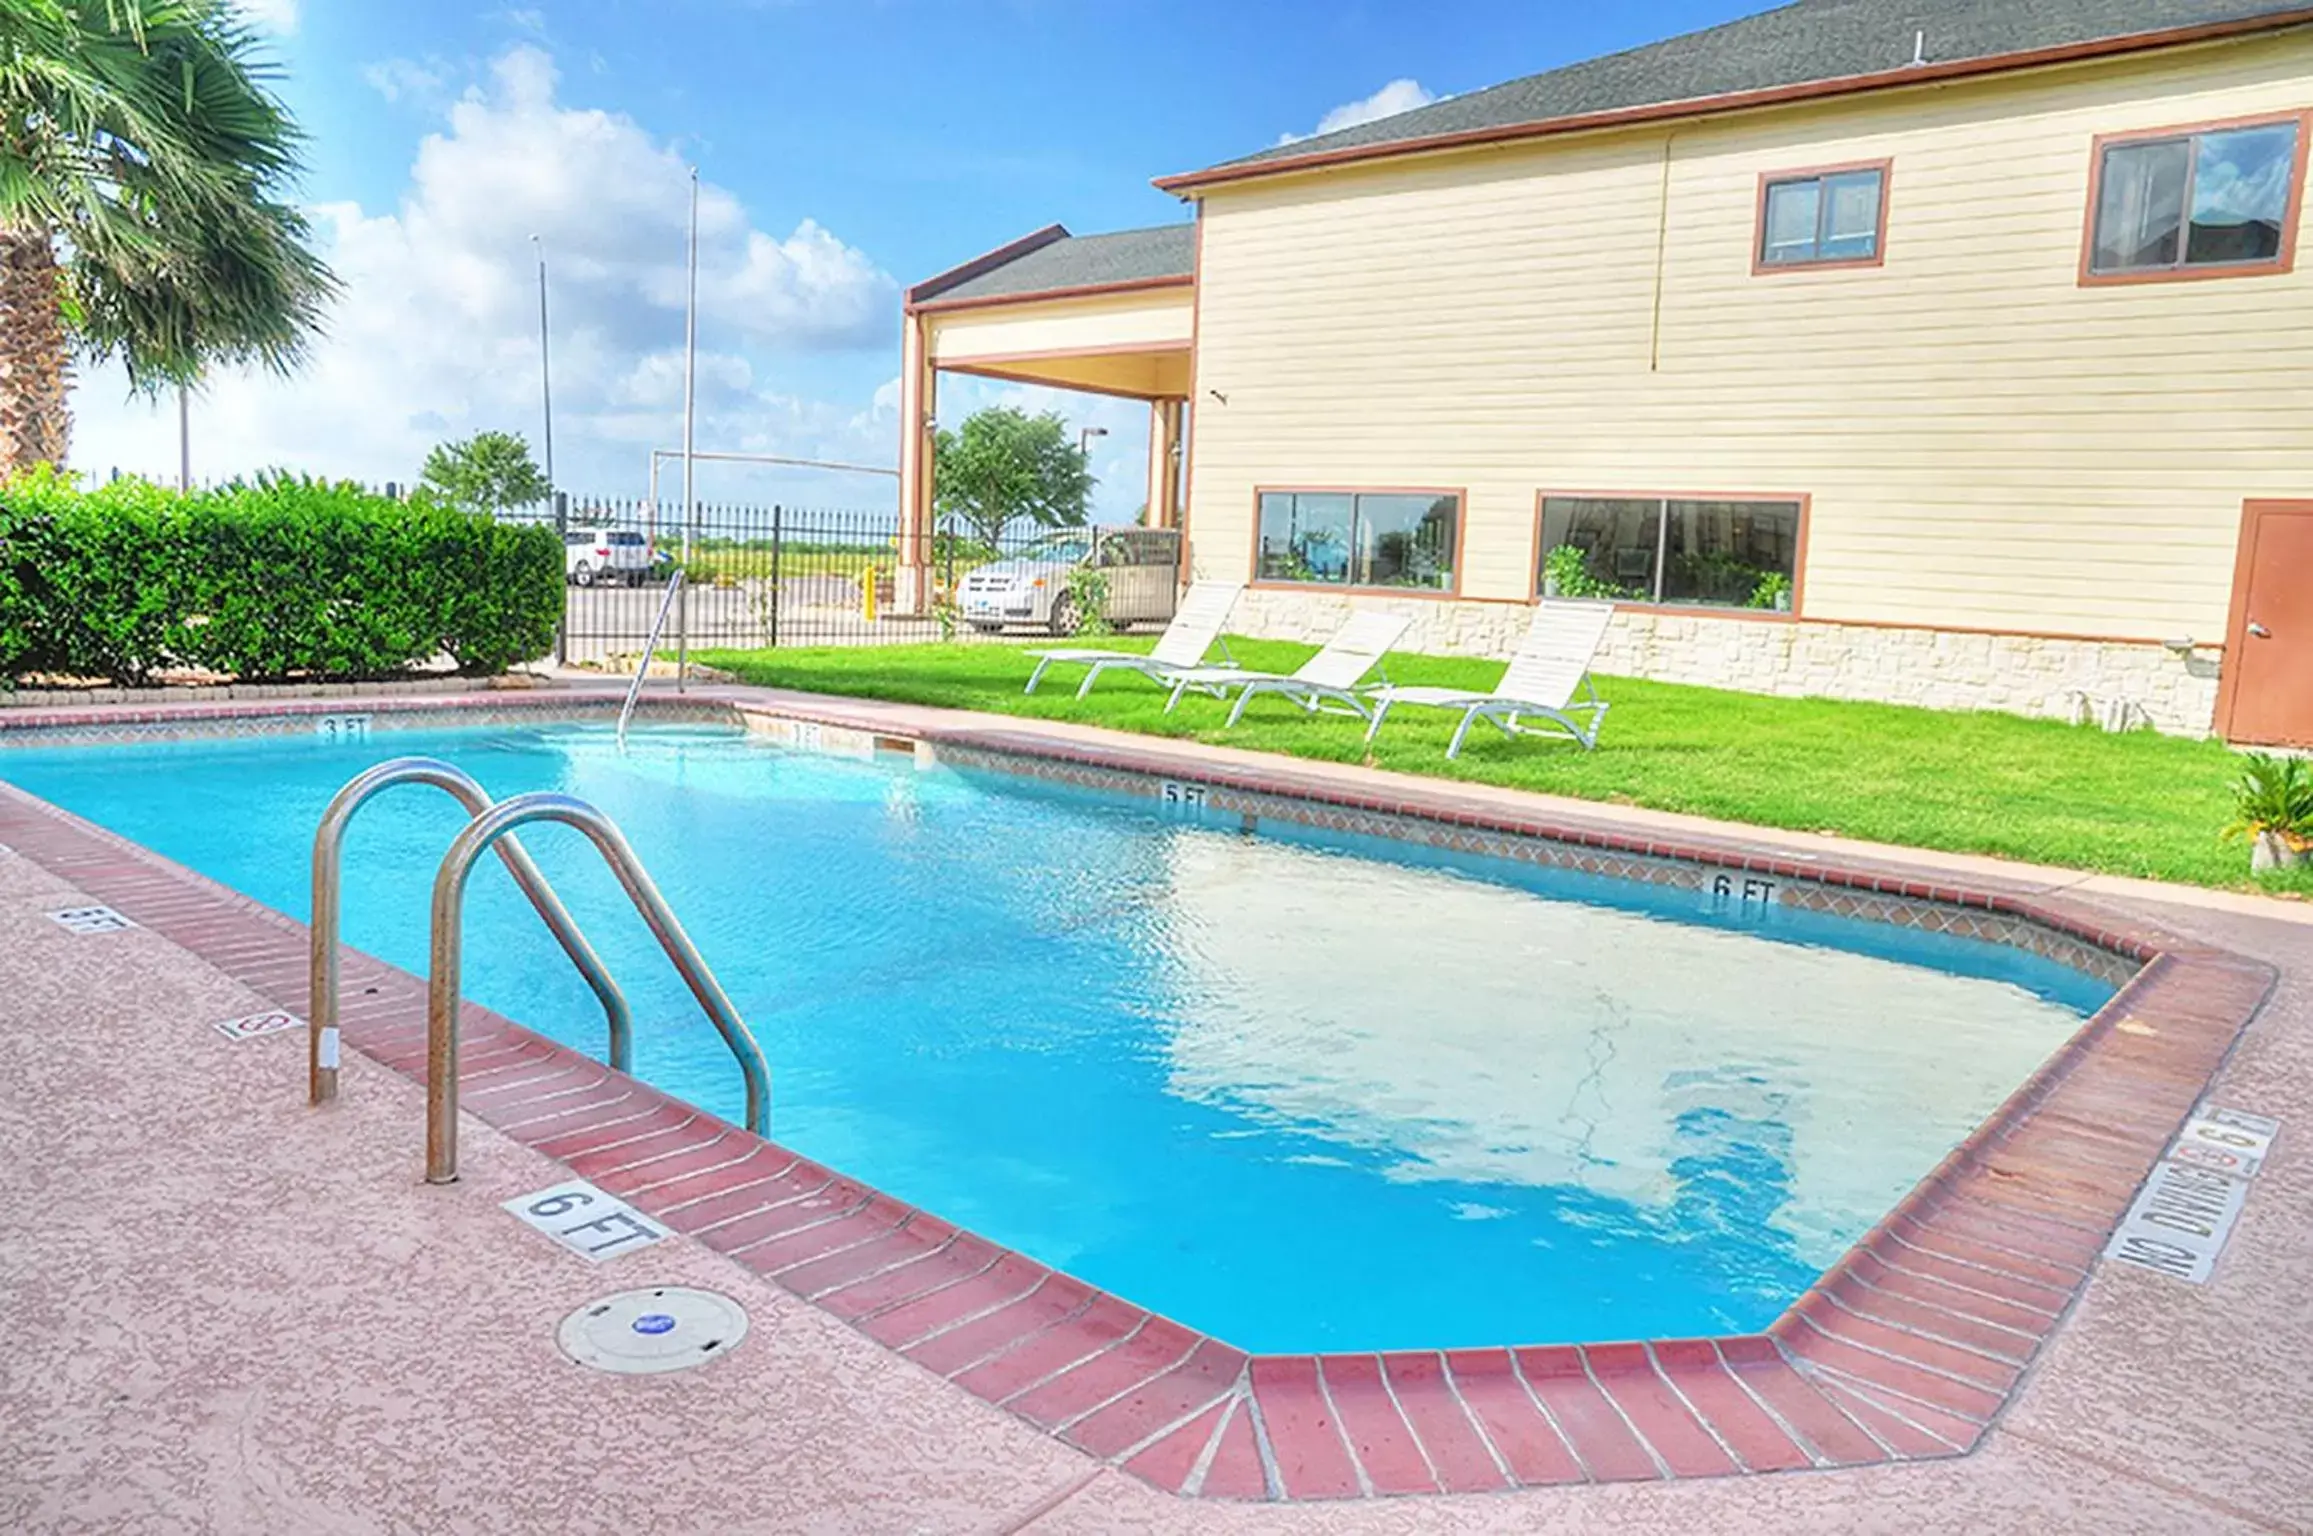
81	725
1906	1349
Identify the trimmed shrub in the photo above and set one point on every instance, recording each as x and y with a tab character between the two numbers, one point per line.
283	577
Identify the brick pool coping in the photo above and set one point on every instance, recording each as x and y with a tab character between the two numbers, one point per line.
1905	1349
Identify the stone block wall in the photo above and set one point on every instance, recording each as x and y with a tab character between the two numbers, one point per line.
2118	686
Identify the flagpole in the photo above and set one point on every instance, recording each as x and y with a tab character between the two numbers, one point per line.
690	401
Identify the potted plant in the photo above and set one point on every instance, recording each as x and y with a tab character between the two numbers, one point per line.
1772	591
1566	573
2273	811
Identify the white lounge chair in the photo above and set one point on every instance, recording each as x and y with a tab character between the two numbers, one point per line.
1539	684
1196	625
1329	677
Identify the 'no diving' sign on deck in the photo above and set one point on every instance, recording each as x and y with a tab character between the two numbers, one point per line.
2186	1210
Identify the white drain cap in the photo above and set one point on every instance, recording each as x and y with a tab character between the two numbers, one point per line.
640	1333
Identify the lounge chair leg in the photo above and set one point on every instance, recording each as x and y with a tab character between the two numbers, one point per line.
1178	689
1090	674
1373	725
1461	732
1243	699
1037	676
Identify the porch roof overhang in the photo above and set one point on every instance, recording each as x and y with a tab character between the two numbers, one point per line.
1112	314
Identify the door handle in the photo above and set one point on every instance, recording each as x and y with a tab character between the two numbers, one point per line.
2259	631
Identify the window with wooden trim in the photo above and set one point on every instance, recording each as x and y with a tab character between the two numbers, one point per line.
1833	217
1389	539
1696	553
2198	203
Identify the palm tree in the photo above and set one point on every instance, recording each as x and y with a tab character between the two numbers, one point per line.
144	166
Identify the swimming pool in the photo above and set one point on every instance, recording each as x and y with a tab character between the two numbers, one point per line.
1298	1090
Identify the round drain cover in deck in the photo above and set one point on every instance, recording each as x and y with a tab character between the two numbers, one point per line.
670	1328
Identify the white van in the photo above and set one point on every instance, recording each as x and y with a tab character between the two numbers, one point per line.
1142	567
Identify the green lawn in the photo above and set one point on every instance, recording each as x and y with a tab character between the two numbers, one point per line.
2137	804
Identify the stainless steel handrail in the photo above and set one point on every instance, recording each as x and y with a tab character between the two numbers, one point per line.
321	1052
443	979
650	646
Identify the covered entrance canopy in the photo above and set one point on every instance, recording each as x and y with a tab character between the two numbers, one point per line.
1111	314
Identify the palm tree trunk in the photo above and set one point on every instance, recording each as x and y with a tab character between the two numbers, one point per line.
35	362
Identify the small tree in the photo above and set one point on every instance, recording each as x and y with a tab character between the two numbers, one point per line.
1006	464
488	472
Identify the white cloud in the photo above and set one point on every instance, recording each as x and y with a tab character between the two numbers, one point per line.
407	80
1393	98
273	15
436	333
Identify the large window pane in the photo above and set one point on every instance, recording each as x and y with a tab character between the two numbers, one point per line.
1850	216
1614	542
1730	554
1793	210
2140	210
1405	541
1305	537
2241	181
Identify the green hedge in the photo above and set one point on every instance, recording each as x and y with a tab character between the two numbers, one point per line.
286	577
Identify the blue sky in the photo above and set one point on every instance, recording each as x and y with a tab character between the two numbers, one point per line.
847	147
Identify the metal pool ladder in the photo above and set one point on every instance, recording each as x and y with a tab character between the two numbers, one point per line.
650	647
491	825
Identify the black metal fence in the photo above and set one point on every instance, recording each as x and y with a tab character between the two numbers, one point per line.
796	576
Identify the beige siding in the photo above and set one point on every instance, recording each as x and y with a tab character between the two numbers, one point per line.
1987	444
1144	320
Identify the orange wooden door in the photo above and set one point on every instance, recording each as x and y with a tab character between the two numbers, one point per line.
2269	654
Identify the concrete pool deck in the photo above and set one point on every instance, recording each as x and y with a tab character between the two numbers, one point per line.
230	1312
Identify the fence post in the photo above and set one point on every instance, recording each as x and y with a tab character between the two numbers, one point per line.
777	519
559	503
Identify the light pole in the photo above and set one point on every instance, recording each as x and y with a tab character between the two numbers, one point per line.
1084	437
545	378
184	439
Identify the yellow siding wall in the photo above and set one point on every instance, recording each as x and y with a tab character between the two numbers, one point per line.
1987	443
1149	318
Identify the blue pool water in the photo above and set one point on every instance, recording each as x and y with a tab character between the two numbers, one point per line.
1301	1091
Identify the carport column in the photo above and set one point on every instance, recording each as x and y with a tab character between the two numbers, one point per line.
919	395
1164	463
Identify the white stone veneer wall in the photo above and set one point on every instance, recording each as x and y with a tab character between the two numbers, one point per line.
2113	684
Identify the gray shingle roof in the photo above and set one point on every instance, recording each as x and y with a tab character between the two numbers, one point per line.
1799	44
1081	261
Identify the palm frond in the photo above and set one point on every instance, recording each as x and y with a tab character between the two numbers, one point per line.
144	138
